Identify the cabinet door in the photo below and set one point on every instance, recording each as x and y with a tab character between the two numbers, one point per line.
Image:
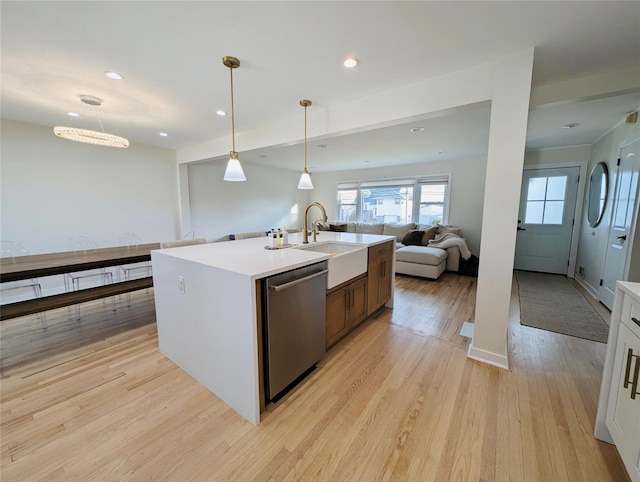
373	291
357	308
337	324
623	409
380	276
386	279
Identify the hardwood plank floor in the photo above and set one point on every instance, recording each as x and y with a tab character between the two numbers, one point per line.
396	400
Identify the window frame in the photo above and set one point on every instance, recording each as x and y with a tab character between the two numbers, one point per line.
415	182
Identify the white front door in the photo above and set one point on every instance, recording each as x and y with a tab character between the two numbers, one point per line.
624	204
545	221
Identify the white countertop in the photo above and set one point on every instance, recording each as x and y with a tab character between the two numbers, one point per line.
631	288
249	257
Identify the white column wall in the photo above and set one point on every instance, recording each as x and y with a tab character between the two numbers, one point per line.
511	90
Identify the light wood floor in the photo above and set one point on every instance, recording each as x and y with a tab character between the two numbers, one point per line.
396	400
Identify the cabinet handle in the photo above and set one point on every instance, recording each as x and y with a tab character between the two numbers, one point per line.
635	320
636	373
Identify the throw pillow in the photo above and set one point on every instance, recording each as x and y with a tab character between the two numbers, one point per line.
413	238
429	234
338	227
449	230
398	230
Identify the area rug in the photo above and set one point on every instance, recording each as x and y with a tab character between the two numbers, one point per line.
550	302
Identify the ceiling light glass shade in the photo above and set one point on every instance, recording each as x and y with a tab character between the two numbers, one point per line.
305	181
90	137
234	172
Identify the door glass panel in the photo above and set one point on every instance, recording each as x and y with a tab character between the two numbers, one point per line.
535	210
545	200
553	212
556	187
537	188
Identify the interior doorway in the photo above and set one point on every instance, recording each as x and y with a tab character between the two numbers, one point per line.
623	221
545	219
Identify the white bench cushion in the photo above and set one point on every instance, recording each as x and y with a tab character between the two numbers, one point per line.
421	255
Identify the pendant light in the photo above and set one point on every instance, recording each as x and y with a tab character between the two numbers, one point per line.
234	170
98	138
305	179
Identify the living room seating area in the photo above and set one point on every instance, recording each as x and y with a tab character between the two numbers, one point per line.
422	250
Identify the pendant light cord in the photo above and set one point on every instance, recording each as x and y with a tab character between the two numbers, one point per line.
233	121
305	138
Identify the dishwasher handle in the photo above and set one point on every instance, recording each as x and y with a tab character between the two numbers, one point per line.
290	284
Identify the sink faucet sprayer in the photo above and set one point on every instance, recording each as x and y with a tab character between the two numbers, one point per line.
305	232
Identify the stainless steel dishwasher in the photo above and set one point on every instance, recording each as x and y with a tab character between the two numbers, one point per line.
295	305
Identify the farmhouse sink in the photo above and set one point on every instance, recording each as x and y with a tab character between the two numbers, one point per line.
347	260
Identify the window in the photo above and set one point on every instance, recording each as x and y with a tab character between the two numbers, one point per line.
393	201
347	207
432	196
545	200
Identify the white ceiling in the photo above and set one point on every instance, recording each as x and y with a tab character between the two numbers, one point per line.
170	54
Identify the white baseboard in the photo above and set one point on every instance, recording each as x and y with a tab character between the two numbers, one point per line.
495	359
590	289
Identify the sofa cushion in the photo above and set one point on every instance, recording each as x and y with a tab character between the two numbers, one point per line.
421	255
398	230
338	227
413	238
369	228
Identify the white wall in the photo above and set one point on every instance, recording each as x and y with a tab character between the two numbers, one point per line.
467	190
557	156
268	199
53	189
592	245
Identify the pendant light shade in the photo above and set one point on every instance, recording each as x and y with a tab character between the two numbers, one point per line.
234	172
305	178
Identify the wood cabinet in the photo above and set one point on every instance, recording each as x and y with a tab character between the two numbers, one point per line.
623	407
380	270
346	308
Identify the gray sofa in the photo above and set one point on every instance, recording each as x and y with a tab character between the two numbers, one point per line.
416	258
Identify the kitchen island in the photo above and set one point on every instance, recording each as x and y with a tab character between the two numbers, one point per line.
208	308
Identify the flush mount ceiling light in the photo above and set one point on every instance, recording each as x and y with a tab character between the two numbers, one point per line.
305	178
351	62
114	75
417	129
234	172
87	136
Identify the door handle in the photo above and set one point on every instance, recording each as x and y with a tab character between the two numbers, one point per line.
623	237
521	229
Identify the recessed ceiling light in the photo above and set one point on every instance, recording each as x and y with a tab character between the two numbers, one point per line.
163	134
442	152
73	114
351	62
570	125
221	112
322	146
417	129
114	75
